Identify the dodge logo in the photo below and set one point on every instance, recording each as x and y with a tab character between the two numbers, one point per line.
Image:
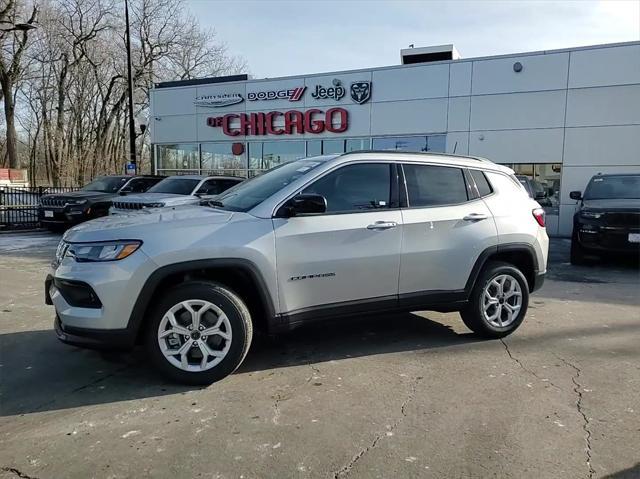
361	91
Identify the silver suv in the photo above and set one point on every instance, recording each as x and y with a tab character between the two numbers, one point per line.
174	191
317	238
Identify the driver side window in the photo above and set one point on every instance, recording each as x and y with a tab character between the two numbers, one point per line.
355	188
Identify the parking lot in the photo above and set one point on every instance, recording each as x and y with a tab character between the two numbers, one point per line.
413	395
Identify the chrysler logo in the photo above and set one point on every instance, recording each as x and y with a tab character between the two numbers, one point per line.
218	101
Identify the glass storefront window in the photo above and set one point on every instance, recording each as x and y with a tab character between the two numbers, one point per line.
314	147
180	156
332	147
355	144
277	152
436	143
217	159
545	178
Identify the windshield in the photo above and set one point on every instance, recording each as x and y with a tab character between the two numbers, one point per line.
106	184
176	186
613	187
246	195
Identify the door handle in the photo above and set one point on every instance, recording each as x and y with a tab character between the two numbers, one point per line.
382	225
475	217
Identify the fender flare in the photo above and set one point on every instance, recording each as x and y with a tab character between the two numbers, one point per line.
145	296
525	248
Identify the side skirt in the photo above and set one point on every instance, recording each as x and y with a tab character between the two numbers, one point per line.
441	301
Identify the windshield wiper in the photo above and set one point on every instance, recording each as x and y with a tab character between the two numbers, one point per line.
215	203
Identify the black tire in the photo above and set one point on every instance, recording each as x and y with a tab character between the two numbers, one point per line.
577	251
473	314
232	306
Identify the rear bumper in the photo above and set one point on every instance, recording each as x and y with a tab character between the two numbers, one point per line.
538	281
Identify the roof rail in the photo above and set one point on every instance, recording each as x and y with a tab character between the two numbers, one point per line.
425	153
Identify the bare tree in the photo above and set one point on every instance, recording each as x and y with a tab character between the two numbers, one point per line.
14	43
72	93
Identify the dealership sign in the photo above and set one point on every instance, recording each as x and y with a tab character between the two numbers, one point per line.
291	94
361	91
218	101
292	122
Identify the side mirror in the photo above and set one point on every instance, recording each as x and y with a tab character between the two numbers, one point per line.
303	204
575	195
540	195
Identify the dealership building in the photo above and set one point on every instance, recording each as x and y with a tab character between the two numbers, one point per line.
558	117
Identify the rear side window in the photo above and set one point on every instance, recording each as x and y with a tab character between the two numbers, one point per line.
484	188
506	184
429	185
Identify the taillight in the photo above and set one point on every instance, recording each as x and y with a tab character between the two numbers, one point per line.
538	214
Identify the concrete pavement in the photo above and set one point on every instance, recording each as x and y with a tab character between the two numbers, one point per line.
413	395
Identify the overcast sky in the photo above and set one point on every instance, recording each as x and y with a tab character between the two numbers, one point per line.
279	38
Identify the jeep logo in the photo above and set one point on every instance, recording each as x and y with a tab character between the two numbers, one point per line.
335	92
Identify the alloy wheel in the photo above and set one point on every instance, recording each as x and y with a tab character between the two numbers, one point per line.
502	300
194	335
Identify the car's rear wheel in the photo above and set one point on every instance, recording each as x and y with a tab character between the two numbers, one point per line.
498	302
199	333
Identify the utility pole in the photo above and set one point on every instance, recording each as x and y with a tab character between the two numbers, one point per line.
132	126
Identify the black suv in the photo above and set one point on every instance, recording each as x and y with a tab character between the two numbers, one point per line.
61	210
608	217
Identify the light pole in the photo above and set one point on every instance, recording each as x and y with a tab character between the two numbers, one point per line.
132	126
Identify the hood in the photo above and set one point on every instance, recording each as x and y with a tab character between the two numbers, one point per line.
79	195
613	205
166	198
147	222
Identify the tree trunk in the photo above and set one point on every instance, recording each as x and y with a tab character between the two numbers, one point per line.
9	115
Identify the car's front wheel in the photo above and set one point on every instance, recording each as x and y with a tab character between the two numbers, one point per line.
498	302
199	333
577	251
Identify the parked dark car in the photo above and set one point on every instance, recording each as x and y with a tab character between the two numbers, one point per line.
536	190
608	217
91	201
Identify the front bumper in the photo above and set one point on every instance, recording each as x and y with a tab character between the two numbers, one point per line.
94	338
613	239
94	301
66	215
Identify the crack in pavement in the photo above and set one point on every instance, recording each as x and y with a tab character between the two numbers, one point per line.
347	468
524	368
585	420
18	473
315	370
276	409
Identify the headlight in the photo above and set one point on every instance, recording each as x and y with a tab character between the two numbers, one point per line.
153	205
102	251
593	215
76	202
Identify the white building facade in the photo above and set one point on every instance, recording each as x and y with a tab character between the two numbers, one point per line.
558	117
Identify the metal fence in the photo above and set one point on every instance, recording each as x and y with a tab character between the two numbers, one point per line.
19	205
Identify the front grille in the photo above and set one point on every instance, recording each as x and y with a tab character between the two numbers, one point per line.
53	201
623	219
124	205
